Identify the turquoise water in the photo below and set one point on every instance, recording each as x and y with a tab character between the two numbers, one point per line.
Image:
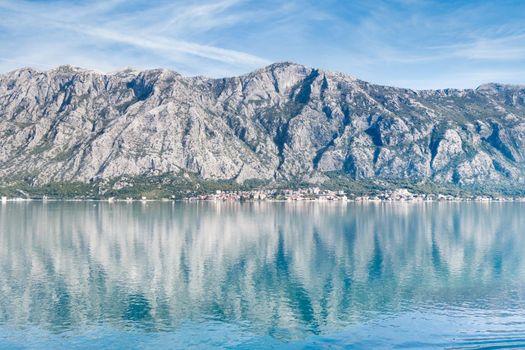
83	275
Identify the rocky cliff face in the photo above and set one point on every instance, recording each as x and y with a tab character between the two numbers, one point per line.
282	122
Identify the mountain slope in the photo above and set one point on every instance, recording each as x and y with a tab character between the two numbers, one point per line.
282	122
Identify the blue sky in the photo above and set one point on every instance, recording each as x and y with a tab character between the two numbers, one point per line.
409	43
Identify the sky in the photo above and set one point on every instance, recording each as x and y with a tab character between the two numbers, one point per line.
419	44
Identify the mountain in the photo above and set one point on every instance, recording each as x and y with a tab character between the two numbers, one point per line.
284	122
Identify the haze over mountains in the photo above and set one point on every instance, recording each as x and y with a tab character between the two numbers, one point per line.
283	122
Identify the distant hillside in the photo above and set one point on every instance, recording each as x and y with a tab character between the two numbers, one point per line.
283	123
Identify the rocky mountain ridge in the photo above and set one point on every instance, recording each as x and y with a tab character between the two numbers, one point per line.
280	123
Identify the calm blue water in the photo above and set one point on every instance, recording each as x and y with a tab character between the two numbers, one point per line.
262	275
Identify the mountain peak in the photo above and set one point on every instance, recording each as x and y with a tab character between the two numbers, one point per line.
284	65
497	87
281	66
287	67
70	69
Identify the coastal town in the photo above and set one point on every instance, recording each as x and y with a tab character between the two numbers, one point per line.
312	194
322	195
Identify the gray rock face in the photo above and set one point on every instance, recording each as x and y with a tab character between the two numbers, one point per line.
282	122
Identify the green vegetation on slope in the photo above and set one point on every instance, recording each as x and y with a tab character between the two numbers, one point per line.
189	185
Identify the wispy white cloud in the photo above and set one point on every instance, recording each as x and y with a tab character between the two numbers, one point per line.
200	17
505	47
168	46
101	28
423	44
416	43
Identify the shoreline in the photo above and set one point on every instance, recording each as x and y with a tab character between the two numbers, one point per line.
311	194
192	200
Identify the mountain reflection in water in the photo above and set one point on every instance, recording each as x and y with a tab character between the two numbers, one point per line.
285	271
